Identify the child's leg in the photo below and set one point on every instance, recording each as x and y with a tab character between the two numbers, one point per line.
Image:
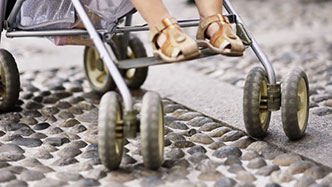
153	11
168	40
209	8
214	31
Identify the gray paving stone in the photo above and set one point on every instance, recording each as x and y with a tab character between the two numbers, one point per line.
230	160
68	176
216	145
317	172
242	142
197	157
127	159
226	151
183	144
6	176
245	176
286	159
256	163
41	126
267	170
175	153
75	110
70	123
56	141
201	138
17	183
258	146
196	148
304	181
65	115
210	175
49	110
235	168
50	182
27	142
178	125
88	117
64	161
38	135
299	166
232	136
219	131
189	116
199	121
31	175
69	152
29	120
225	182
210	126
249	155
63	105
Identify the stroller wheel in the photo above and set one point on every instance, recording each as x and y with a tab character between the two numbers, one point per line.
152	130
295	104
134	77
255	112
110	131
9	81
96	71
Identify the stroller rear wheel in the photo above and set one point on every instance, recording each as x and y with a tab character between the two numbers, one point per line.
295	104
9	81
255	112
134	77
96	71
152	130
110	130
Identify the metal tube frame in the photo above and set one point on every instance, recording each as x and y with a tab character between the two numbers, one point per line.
107	56
254	46
126	30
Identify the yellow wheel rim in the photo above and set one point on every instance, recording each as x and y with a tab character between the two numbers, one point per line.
161	132
119	132
263	110
130	73
302	104
96	69
2	83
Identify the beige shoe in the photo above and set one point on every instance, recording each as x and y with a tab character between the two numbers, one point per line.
224	41
177	47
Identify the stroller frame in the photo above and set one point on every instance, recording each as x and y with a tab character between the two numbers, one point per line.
108	56
262	93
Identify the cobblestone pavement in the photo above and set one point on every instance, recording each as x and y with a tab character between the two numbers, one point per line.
50	139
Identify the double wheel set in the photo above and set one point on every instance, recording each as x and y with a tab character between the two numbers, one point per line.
113	128
261	98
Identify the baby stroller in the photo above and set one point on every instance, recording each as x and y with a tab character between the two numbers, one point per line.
118	60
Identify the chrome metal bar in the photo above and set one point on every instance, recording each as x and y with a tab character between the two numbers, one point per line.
105	55
2	15
254	46
12	16
12	34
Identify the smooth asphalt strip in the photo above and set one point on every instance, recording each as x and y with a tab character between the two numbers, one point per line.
223	102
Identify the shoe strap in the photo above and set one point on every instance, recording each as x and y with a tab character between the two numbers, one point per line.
205	22
165	23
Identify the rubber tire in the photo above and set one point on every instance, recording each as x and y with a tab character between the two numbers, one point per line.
251	104
110	84
152	136
289	104
12	81
137	47
109	106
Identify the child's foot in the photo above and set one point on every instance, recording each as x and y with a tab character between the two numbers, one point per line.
216	33
170	43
